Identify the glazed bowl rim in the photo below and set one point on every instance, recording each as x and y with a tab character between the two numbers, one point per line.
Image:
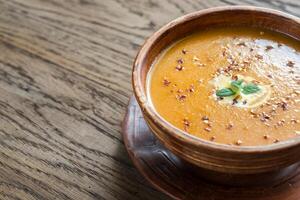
149	110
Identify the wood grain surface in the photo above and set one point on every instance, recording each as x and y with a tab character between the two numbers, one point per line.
184	181
65	80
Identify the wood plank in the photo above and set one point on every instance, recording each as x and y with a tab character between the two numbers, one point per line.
65	80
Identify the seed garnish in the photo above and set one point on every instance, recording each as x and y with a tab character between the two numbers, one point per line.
166	82
268	48
229	126
207	129
181	97
290	63
266	136
180	61
239	142
186	124
179	67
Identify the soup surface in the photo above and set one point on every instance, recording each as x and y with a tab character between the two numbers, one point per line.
237	86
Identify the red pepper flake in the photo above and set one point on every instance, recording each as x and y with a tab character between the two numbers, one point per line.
224	53
186	124
181	97
184	51
192	88
276	141
235	100
235	78
220	98
266	137
166	82
180	61
179	67
268	48
253	113
242	44
265	116
212	138
284	106
229	126
259	57
290	63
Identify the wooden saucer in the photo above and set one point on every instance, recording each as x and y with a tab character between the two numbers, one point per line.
178	179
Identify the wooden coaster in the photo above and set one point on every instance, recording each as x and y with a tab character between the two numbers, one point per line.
178	179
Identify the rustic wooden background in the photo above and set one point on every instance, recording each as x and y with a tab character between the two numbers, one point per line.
64	84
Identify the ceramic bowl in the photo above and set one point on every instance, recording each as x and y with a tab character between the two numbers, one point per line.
210	156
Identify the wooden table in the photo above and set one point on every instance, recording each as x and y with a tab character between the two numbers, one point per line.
65	80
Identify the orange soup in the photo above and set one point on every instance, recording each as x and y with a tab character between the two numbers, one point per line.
236	86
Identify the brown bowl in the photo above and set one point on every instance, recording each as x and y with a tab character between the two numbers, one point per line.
219	158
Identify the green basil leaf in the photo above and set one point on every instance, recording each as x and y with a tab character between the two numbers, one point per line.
236	85
250	88
225	92
238	82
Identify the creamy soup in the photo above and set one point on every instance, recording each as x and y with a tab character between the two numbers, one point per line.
236	86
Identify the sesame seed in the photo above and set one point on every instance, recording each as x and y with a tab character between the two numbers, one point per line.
207	129
205	118
195	58
294	121
239	142
206	121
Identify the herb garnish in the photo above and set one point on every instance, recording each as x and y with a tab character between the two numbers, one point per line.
250	88
237	87
225	92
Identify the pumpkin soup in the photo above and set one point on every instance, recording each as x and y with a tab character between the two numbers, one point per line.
236	86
